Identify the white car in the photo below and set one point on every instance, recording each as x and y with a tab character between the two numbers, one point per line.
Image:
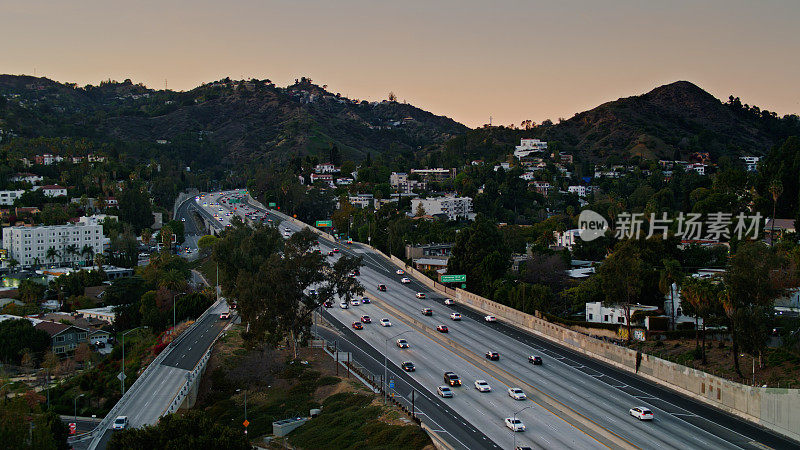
641	413
343	305
514	424
482	386
490	319
399	271
516	394
405	280
455	316
355	302
444	391
385	323
420	295
120	423
449	301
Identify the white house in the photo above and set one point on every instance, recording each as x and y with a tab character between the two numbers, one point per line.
27	178
453	207
503	165
528	146
362	200
106	314
750	162
580	190
597	313
52	190
527	176
567	239
7	198
399	181
700	168
326	168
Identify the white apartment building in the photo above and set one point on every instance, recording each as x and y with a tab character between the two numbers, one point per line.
503	165
326	168
52	190
453	207
580	190
29	245
750	162
399	181
7	198
438	174
27	178
362	200
567	239
528	146
597	313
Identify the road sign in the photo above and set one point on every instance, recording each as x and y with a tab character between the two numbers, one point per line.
324	223
464	286
453	279
272	204
246	423
391	384
72	428
121	376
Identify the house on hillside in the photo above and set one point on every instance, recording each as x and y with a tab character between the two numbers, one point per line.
64	338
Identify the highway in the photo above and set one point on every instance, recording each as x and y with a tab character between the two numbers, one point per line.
573	398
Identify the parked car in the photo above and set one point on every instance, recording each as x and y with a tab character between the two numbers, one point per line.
427	312
386	323
452	379
641	413
516	394
455	316
402	343
442	328
444	391
514	424
408	366
120	423
482	386
99	344
535	360
420	295
358	326
493	356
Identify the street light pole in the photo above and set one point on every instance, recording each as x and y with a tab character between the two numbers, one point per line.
75	415
515	420
123	356
385	362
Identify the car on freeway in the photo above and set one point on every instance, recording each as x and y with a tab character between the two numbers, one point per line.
535	360
313	293
408	366
399	271
405	280
366	300
343	305
641	413
382	287
427	312
120	423
385	323
493	356
516	394
335	250
455	316
358	326
328	304
355	302
366	319
225	316
444	391
402	343
452	379
442	328
490	319
521	447
514	424
449	301
420	295
356	272
482	386
330	253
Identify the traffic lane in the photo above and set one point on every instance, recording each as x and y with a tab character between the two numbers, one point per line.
431	410
154	397
581	392
711	420
485	410
194	345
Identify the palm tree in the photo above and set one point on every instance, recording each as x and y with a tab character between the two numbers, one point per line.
670	274
88	253
52	254
12	263
776	189
37	261
72	250
99	260
704	296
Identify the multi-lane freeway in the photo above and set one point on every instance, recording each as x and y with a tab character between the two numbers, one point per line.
573	401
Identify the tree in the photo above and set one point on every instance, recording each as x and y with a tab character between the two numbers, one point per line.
704	297
52	254
135	209
669	275
195	429
72	250
776	189
206	244
146	235
12	263
480	254
622	277
30	291
88	253
20	337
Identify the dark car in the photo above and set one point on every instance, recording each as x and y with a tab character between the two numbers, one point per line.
427	312
358	326
382	287
408	366
493	356
452	379
366	300
366	319
330	253
356	272
442	328
535	360
328	304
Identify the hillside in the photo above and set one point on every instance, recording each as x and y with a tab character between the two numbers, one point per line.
245	120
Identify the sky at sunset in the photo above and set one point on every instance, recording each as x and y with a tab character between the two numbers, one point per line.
468	60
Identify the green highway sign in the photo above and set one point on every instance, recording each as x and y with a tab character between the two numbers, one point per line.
324	223
272	204
453	279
